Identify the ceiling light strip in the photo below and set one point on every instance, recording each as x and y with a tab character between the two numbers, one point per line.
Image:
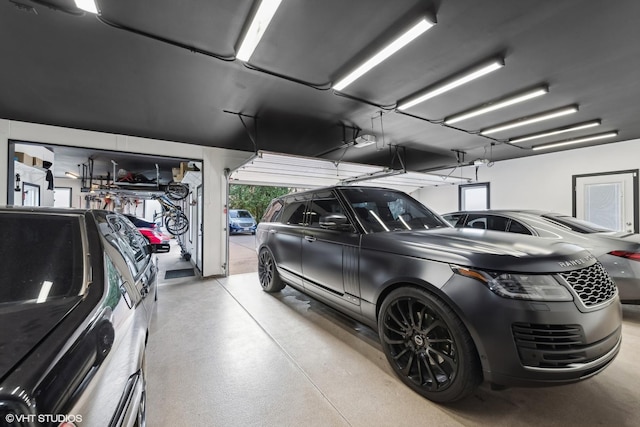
575	141
386	52
555	132
496	105
259	24
453	83
530	120
87	6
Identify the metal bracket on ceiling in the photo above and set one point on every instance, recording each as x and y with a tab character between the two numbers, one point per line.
399	153
254	137
346	142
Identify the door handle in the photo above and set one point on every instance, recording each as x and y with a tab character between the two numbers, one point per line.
309	238
272	231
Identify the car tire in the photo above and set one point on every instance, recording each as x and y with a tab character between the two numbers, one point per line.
268	273
428	346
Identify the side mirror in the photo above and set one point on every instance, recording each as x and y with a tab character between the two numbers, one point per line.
334	222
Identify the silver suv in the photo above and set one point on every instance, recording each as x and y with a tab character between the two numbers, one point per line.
452	307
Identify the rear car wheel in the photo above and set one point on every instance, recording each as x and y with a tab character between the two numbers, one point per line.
428	346
267	272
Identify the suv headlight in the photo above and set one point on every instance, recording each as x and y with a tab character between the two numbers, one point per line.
534	287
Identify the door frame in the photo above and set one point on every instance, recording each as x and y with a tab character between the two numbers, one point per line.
636	203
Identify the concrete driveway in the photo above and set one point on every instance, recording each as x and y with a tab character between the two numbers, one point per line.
242	254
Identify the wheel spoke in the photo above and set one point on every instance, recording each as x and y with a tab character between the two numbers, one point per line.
445	357
407	369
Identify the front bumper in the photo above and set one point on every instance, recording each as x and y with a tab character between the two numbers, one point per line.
528	343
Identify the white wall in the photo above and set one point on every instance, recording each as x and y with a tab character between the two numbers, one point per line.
537	182
214	161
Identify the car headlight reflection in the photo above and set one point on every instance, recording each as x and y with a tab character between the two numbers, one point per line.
534	287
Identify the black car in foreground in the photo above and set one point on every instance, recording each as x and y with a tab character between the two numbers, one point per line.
77	293
452	307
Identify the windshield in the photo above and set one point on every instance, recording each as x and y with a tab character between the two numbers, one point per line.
239	214
579	225
387	210
40	257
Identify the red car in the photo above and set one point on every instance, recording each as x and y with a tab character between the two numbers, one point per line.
159	241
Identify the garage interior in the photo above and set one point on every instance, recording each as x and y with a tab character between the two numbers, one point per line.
162	82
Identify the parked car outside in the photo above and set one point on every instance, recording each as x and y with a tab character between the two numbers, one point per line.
452	307
161	242
77	295
618	252
241	221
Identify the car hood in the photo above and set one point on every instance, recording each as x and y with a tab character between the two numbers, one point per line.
23	326
485	249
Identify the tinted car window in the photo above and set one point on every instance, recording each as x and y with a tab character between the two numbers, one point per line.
241	214
129	242
453	219
489	222
516	227
323	204
271	215
41	257
293	212
387	210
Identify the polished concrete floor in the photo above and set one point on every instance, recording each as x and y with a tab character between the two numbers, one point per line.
224	353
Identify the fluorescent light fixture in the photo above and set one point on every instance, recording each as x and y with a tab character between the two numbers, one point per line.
258	26
453	83
365	140
386	52
556	132
576	141
72	175
531	119
496	105
87	6
44	291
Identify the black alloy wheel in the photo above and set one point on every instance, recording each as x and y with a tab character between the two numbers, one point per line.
428	346
267	272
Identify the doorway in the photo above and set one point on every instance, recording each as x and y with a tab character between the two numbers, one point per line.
608	199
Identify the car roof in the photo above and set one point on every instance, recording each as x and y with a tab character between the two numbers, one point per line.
45	209
337	187
507	212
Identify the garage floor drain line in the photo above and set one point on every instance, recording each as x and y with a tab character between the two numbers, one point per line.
183	272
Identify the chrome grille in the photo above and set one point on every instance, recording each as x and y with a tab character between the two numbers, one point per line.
245	224
592	284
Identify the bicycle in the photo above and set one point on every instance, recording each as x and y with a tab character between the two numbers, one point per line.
175	221
176	190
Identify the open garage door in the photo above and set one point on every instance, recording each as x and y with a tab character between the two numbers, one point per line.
279	170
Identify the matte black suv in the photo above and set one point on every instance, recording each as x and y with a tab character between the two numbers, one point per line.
77	293
452	307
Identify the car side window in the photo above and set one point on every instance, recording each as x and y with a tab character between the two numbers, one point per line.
454	219
272	212
323	204
117	286
129	243
293	212
487	222
516	227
